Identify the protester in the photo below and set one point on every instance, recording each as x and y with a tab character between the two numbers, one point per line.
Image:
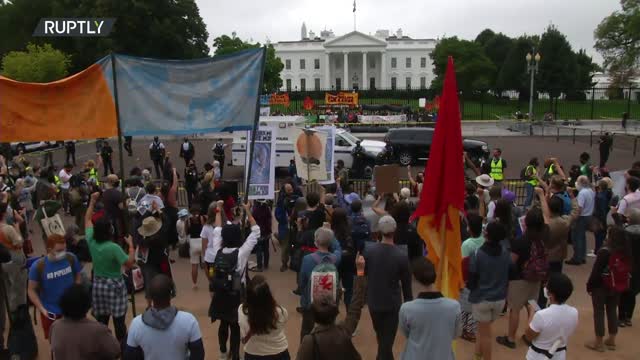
157	153
469	248
262	323
65	176
632	198
495	193
187	151
210	235
194	227
264	219
360	226
586	204
347	267
328	251
328	340
153	247
487	282
603	198
162	331
430	322
109	297
230	278
74	337
551	327
282	213
49	277
628	297
586	169
113	201
602	287
483	182
531	180
405	233
342	173
387	270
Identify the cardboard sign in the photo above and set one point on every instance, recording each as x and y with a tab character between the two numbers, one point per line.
279	99
342	98
387	179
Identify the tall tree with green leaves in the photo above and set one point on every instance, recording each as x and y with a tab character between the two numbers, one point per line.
496	47
38	64
513	74
558	67
474	70
618	41
225	44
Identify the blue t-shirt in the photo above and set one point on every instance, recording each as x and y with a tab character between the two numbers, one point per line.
55	279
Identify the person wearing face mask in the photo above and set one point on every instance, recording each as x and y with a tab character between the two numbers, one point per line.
49	277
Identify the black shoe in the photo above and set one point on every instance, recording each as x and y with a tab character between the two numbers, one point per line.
283	268
504	340
573	262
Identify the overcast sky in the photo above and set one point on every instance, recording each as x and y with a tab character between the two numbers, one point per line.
281	20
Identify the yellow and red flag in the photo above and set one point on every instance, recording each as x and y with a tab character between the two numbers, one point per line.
442	197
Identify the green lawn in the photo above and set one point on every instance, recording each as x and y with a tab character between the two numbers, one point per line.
475	110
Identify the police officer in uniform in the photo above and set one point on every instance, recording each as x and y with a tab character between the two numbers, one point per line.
157	153
106	153
127	144
218	154
70	147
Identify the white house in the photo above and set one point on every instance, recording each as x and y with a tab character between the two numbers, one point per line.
355	61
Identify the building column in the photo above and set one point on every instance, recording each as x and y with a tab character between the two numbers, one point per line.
327	72
345	75
365	82
383	70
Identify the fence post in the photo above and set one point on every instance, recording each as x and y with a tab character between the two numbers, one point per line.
481	108
590	138
574	135
557	134
593	102
635	145
555	109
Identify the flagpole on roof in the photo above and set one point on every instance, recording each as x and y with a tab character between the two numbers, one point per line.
354	15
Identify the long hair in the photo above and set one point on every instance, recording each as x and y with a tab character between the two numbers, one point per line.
618	241
260	306
340	224
536	230
504	215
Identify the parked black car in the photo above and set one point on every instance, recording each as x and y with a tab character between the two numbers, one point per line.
407	145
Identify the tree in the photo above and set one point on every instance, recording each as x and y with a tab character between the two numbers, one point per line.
558	67
513	74
37	64
166	29
586	69
496	47
618	41
473	69
272	81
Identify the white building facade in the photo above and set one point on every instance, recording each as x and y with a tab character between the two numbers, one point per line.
355	61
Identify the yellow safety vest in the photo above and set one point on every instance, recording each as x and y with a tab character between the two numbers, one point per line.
57	180
533	177
551	171
496	170
93	174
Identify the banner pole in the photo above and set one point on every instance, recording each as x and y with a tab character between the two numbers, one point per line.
255	124
120	151
443	249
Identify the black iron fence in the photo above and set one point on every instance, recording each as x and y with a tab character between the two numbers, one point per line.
484	104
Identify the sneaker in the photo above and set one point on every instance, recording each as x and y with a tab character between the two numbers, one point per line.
627	323
224	355
504	341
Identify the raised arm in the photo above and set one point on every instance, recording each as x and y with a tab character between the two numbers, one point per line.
376	206
360	289
411	179
545	206
89	214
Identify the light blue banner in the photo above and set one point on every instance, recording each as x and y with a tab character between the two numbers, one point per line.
181	97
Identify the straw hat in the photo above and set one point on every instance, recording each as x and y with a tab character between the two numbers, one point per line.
485	180
150	226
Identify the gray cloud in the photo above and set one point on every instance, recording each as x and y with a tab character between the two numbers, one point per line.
280	20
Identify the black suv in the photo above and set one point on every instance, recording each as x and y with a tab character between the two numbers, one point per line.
410	144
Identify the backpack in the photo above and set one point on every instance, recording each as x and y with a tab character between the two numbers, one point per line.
537	267
226	278
617	274
566	202
360	231
132	202
324	280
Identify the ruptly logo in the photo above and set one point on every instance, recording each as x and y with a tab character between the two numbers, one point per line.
74	27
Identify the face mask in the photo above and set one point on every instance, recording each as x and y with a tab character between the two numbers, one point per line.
545	292
59	255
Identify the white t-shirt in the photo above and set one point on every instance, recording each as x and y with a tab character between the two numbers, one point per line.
491	210
628	202
64	179
214	238
170	343
552	323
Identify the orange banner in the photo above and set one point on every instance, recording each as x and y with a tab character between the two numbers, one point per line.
342	98
279	99
78	107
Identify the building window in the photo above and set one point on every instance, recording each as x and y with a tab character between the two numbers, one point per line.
393	83
303	84
408	63
423	82
316	83
288	84
408	80
302	64
338	84
316	64
423	62
287	64
372	63
394	63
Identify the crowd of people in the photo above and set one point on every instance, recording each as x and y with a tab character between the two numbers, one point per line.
347	249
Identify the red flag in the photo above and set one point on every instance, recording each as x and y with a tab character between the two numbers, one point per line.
442	197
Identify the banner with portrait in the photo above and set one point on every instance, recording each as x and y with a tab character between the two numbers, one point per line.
310	154
262	178
341	98
329	153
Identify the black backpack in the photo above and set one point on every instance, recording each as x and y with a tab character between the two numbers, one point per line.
360	231
226	278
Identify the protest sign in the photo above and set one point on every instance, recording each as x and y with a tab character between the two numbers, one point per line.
387	178
329	152
309	154
263	160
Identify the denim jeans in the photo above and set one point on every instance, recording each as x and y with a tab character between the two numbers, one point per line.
262	251
529	190
579	238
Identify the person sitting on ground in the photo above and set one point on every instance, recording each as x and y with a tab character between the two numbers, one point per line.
262	321
162	331
551	327
49	277
74	337
430	322
329	340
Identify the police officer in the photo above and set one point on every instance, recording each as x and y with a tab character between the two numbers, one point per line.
157	153
106	153
127	144
70	147
218	154
497	166
187	151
